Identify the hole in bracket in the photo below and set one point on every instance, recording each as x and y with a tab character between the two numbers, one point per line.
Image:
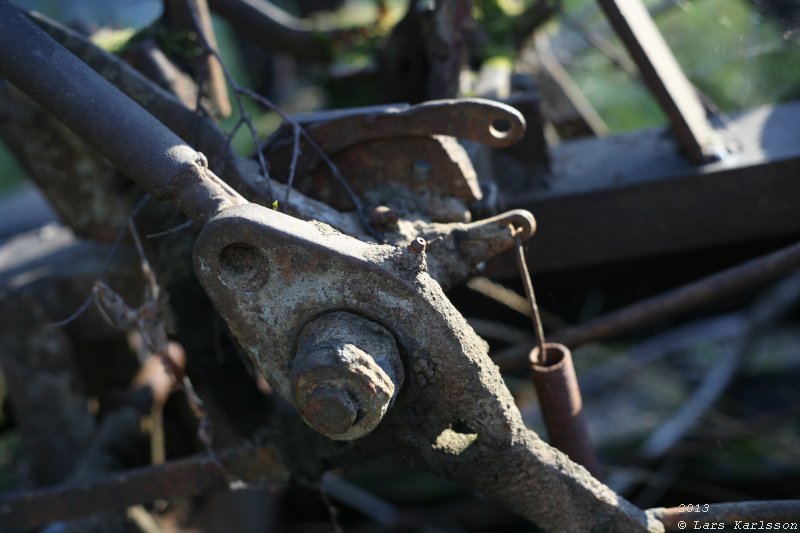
500	128
243	267
454	442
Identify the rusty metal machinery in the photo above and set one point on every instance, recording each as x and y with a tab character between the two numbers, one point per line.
406	157
358	336
350	325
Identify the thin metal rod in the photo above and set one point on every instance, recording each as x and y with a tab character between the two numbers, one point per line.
714	287
117	127
536	318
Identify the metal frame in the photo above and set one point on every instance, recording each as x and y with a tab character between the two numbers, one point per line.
632	196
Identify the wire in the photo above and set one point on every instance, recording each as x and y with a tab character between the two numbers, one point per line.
536	318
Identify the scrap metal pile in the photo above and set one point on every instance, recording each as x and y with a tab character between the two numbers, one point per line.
308	324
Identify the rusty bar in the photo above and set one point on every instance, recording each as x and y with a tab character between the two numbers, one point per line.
117	127
476	119
556	384
562	408
664	77
183	477
714	287
741	515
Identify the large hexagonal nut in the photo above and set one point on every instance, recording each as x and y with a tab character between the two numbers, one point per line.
346	375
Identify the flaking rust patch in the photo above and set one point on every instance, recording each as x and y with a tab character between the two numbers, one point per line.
422	369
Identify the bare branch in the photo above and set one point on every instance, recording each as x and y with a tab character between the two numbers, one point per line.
180	15
117	242
183	477
293	164
770	306
175	229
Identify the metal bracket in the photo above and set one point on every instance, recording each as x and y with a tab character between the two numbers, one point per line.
270	276
398	153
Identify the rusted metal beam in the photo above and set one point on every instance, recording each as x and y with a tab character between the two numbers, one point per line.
274	29
394	291
630	196
184	477
664	76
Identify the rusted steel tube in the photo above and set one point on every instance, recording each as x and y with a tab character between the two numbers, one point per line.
562	408
116	126
724	283
747	515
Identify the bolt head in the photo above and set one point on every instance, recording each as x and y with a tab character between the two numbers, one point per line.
382	216
345	375
330	410
341	392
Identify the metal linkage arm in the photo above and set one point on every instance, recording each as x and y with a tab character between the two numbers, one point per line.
121	130
410	378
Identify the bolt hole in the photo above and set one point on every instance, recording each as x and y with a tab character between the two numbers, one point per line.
243	267
453	442
500	128
459	426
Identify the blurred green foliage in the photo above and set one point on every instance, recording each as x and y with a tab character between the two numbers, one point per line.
733	54
264	122
499	19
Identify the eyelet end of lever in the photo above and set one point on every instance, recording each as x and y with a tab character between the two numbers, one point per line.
521	220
